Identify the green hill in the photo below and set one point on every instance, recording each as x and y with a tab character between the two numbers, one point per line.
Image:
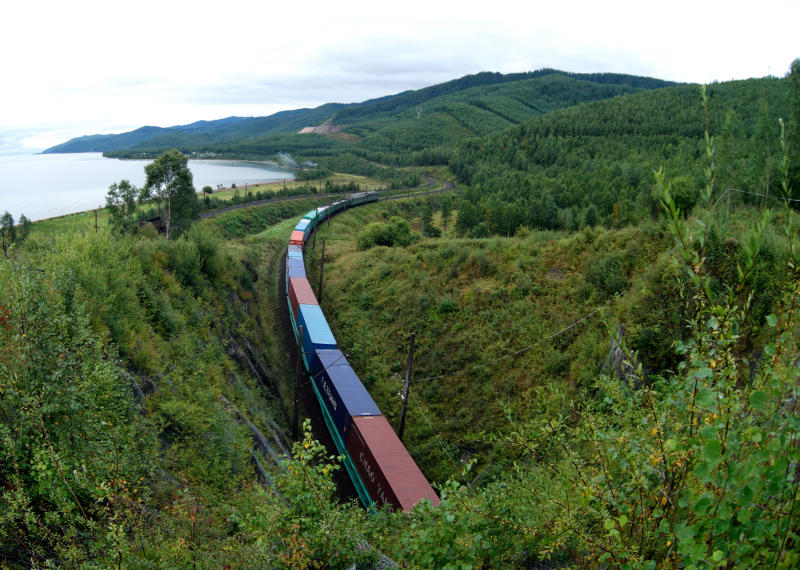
596	159
400	124
104	143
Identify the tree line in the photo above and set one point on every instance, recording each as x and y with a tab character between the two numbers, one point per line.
13	233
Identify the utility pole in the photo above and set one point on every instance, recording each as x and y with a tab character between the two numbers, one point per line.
95	220
321	270
402	424
316	220
298	378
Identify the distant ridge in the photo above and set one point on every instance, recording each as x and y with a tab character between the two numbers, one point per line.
471	105
103	143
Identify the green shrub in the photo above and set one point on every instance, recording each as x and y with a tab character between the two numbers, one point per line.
607	274
447	305
396	232
213	262
184	260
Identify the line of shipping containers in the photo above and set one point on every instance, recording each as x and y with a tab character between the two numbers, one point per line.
317	336
395	479
316	332
388	471
294	268
295	252
342	397
342	390
304	310
300	293
311	215
330	380
304	226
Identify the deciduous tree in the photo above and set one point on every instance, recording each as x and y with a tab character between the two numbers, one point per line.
23	228
121	204
169	182
7	226
793	132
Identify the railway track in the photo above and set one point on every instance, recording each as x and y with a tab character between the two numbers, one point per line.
378	468
384	196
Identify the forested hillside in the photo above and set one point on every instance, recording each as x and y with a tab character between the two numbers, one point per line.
594	163
388	129
104	143
417	128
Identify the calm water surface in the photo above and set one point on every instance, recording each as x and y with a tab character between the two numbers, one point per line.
46	185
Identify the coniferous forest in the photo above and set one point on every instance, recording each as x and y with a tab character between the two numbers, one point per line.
603	284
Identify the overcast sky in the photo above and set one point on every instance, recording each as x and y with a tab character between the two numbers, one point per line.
85	67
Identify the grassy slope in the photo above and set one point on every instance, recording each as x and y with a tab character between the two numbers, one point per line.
490	316
471	302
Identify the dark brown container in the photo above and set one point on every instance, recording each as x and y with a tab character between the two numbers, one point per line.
385	466
300	293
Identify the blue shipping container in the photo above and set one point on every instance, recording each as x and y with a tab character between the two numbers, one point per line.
294	268
341	389
303	226
316	332
295	252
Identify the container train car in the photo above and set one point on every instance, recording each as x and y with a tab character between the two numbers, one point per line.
383	472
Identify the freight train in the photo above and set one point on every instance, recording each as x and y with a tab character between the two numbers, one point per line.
382	470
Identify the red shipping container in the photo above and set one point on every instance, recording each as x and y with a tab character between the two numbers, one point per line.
385	466
297	238
300	293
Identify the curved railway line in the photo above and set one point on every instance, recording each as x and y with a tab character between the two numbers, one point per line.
447	186
382	472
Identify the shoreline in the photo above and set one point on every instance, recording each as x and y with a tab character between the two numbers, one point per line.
198	193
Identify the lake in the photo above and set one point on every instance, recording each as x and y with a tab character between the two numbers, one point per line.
47	185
